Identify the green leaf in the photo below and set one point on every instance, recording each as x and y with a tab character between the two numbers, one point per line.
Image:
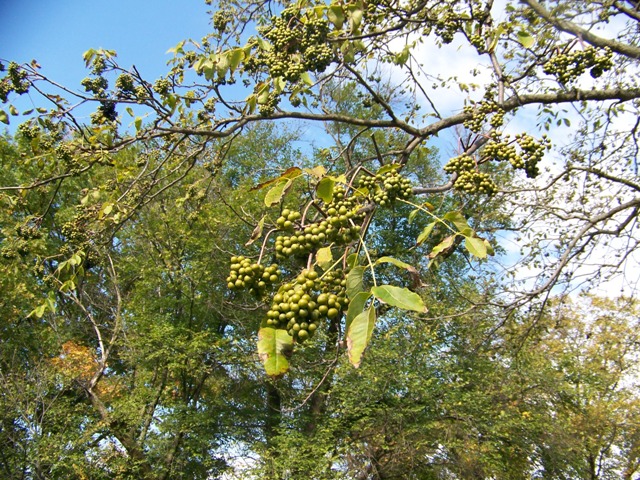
525	39
274	348
399	297
306	78
495	38
4	118
13	111
279	84
425	233
356	306
324	257
355	282
336	16
356	19
324	189
476	246
402	57
359	335
352	260
276	193
138	123
235	56
458	219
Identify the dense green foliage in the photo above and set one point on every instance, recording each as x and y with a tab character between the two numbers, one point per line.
190	287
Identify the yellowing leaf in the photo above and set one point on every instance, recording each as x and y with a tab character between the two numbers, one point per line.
257	232
396	262
324	257
442	246
276	193
318	171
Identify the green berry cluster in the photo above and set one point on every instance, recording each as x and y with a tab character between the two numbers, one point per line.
479	113
29	131
385	188
527	159
500	149
341	227
15	81
300	306
221	20
473	181
287	218
479	42
447	26
124	84
532	152
96	85
567	67
269	106
299	45
244	274
469	178
162	86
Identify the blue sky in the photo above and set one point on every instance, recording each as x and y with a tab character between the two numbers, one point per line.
57	33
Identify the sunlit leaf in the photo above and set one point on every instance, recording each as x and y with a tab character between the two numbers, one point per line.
324	257
476	247
525	39
399	297
458	219
336	16
324	189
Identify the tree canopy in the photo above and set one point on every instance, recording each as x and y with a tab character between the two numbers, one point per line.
190	276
